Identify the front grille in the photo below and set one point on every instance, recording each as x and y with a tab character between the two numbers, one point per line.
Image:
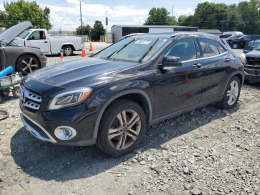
30	99
253	61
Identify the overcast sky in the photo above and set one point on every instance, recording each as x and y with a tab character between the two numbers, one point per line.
65	14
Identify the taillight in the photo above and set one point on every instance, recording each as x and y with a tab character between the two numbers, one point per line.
241	59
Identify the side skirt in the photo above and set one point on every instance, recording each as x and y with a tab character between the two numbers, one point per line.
174	114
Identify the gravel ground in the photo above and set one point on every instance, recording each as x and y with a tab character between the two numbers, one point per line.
205	151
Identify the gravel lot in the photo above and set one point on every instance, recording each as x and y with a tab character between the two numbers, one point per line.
205	151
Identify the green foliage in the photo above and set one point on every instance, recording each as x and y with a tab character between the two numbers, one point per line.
86	30
160	16
243	17
21	11
97	30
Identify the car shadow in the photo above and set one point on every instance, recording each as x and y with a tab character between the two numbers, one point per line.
62	163
58	55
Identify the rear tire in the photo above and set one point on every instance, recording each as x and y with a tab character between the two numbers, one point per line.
68	50
122	128
231	94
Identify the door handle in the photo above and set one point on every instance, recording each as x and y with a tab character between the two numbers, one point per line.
227	60
45	41
197	65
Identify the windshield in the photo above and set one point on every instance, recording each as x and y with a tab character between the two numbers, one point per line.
134	48
24	34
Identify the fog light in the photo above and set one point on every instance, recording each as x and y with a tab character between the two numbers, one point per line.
65	132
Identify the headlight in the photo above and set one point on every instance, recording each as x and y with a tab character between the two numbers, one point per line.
70	98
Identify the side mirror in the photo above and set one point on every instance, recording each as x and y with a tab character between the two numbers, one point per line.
29	38
171	61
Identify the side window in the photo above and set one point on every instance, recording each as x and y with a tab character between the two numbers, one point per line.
208	47
37	35
185	49
221	48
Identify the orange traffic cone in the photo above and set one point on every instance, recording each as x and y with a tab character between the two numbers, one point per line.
83	53
91	48
61	56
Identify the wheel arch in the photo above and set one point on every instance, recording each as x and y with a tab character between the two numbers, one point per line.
68	44
133	95
238	74
23	54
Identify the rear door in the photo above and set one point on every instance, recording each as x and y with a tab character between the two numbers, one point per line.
215	64
178	87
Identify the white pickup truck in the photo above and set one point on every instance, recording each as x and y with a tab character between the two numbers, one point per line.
49	45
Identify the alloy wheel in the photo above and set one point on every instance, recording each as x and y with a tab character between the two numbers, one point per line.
232	92
124	129
29	65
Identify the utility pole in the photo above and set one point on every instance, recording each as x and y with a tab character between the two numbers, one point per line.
81	19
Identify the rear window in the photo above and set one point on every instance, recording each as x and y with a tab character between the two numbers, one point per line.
224	36
208	47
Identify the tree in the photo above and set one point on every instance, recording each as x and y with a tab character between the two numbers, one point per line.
243	17
97	30
86	30
160	16
21	11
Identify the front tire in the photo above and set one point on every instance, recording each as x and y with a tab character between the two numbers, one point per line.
27	64
231	94
122	128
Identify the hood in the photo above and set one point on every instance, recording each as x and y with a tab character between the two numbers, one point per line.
81	72
254	53
11	33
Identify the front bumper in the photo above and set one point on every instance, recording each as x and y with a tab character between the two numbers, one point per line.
41	133
43	61
252	78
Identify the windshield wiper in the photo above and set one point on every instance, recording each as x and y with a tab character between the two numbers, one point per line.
111	55
148	51
125	46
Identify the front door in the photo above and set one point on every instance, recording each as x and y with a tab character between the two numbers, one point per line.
38	39
177	88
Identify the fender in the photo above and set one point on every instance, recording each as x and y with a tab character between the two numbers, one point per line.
141	92
233	74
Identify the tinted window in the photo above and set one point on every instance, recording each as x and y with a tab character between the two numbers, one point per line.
208	47
185	49
220	48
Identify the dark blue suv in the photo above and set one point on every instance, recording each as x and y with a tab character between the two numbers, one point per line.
110	98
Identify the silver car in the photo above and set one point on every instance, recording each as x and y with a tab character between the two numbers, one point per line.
22	59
